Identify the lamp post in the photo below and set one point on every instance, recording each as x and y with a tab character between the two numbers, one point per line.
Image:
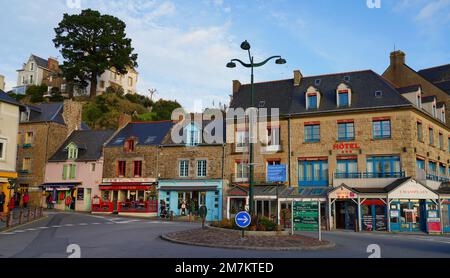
279	61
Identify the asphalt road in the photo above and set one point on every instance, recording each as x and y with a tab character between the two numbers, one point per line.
115	237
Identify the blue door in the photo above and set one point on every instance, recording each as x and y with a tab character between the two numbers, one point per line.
413	216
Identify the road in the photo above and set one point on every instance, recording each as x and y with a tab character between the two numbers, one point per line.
115	237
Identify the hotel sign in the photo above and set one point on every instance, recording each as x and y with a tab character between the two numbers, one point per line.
412	190
346	148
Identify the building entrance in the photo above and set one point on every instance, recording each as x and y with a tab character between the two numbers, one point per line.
346	215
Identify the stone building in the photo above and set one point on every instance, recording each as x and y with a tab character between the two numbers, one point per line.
191	172
351	141
42	130
130	170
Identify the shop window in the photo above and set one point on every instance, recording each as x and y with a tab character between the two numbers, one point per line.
346	131
121	168
384	167
419	132
432	167
381	129
184	168
347	168
137	169
442	170
313	173
312	133
201	168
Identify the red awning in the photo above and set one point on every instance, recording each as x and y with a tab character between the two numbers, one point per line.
127	186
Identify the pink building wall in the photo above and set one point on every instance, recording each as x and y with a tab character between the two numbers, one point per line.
89	179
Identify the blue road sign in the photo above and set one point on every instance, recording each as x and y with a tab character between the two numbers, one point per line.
243	219
276	173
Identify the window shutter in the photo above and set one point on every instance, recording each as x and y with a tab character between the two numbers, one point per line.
64	174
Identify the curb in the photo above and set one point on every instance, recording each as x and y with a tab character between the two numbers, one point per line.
21	225
236	247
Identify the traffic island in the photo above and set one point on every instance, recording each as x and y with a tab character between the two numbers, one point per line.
232	239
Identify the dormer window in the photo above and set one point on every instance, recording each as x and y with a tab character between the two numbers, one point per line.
343	95
192	135
419	101
129	145
312	98
72	151
434	110
443	115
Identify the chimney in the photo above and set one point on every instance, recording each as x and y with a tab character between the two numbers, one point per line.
236	86
297	77
2	83
52	64
124	119
397	58
72	115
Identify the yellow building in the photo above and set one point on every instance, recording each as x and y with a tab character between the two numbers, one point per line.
9	128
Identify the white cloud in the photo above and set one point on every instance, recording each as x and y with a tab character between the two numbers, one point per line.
434	9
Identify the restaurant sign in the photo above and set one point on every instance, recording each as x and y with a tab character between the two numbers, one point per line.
342	193
412	190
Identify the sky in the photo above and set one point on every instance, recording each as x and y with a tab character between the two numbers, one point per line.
184	45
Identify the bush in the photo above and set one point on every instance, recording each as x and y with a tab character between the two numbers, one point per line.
265	224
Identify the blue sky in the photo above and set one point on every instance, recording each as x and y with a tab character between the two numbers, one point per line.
183	45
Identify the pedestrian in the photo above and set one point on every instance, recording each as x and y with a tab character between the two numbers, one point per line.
11	204
2	200
26	199
183	208
49	201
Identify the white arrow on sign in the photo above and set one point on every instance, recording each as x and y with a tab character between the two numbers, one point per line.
245	219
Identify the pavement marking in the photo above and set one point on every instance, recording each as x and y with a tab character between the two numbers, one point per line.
96	223
127	222
56	226
82	224
69	225
31	229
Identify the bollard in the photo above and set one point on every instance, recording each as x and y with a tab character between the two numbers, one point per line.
35	213
190	217
171	215
28	216
20	216
9	220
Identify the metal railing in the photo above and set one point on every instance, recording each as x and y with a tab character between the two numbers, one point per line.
434	177
103	206
368	175
138	207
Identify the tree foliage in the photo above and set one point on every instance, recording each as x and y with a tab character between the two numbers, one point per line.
92	43
36	93
164	108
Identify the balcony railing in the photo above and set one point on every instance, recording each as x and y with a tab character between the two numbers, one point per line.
433	177
138	207
367	175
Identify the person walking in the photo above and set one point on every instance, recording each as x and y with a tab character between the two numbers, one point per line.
49	201
2	200
183	208
11	204
26	199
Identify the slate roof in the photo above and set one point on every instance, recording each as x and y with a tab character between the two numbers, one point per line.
439	76
428	99
90	145
4	97
46	112
169	142
396	184
40	62
147	133
292	99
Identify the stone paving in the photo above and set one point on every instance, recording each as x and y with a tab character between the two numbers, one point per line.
223	238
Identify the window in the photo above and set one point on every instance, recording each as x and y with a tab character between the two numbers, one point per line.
346	131
72	171
419	101
121	168
343	98
31	79
313	173
420	164
2	149
378	94
129	145
242	170
442	171
430	137
102	84
441	141
32	66
193	135
312	101
72	151
26	164
273	136
241	138
432	167
317	82
347	168
201	168
312	133
29	138
381	129
384	167
434	110
137	169
93	167
64	172
130	81
448	143
184	168
419	132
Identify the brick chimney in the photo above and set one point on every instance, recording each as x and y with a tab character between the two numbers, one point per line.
52	64
124	119
236	86
72	115
297	77
398	58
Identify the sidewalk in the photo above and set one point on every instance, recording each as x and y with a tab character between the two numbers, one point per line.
20	216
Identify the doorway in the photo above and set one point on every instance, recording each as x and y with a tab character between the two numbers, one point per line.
346	215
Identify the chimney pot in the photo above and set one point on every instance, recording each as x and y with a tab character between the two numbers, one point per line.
236	86
124	119
297	77
398	58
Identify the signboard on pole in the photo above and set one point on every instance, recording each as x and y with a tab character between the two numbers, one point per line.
276	173
243	219
306	216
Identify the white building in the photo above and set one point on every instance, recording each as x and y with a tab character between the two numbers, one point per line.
112	78
34	71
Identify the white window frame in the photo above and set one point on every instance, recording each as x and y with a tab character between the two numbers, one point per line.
3	149
183	168
239	176
202	168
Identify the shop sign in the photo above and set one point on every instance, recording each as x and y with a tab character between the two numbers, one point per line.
276	173
128	180
125	187
412	190
306	216
434	225
395	213
342	193
346	148
62	189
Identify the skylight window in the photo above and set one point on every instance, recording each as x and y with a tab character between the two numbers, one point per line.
378	94
347	78
150	139
317	82
119	141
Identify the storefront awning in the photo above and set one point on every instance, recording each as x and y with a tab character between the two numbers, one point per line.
188	188
59	186
127	186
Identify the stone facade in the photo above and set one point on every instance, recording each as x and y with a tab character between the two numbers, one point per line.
402	76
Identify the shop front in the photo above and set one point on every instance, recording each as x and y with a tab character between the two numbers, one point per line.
64	195
6	188
127	197
237	200
187	197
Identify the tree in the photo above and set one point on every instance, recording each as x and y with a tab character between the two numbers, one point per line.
92	43
164	108
36	93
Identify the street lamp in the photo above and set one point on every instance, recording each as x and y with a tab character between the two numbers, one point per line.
232	64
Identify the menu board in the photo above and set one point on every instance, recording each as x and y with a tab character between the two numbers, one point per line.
380	223
80	194
306	216
367	223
